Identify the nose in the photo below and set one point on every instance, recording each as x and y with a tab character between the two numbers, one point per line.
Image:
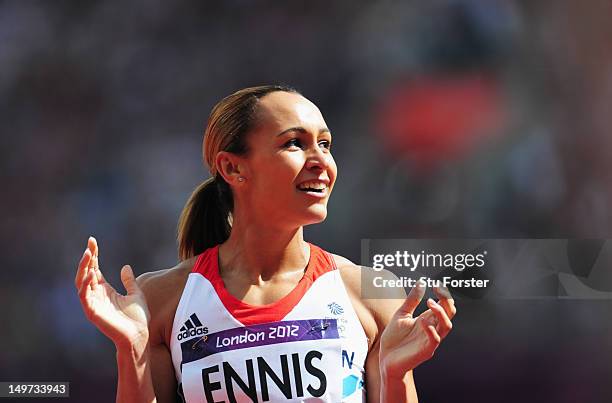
317	159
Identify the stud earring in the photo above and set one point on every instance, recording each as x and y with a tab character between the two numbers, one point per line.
241	179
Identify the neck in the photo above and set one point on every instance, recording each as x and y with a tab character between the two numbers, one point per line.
263	251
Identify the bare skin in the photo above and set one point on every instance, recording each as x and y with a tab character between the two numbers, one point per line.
262	261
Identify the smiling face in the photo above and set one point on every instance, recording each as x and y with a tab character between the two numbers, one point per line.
289	168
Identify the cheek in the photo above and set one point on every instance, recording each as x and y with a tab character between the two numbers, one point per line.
291	162
279	168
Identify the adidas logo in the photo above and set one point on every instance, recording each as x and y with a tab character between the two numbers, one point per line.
192	327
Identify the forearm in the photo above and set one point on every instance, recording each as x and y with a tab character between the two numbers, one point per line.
134	384
398	390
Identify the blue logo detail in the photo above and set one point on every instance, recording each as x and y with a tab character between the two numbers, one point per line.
335	308
345	357
350	384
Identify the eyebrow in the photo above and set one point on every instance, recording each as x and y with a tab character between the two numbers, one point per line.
302	130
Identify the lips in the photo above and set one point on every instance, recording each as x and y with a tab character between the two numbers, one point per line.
319	186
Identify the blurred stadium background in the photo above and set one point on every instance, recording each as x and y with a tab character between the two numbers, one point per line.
451	118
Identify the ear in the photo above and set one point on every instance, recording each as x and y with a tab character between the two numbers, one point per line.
231	167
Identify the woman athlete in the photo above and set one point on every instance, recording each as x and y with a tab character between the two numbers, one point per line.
253	312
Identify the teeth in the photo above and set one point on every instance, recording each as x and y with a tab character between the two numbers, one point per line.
313	185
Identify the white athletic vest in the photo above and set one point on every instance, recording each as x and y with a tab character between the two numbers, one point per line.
307	347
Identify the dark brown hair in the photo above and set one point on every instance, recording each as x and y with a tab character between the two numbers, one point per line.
205	219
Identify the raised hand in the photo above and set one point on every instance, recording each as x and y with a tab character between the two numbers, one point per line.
407	341
122	318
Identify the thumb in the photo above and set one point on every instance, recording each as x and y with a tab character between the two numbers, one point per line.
128	280
413	299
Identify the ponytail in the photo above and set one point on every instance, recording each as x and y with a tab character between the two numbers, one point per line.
204	221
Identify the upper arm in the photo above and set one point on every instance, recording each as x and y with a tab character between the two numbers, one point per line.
375	316
372	374
162	373
163	376
383	310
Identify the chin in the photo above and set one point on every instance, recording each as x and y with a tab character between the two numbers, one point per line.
316	216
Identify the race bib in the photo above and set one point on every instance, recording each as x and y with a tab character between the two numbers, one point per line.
295	361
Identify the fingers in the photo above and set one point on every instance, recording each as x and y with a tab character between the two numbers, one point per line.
446	301
413	300
92	246
433	339
128	280
85	288
432	334
85	291
83	269
89	262
444	324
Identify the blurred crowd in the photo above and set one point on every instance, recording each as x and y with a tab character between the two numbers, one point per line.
450	118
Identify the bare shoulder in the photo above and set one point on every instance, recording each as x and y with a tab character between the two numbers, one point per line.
379	305
160	283
356	277
162	290
350	272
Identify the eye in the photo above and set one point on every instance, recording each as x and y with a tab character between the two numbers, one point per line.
293	143
326	144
